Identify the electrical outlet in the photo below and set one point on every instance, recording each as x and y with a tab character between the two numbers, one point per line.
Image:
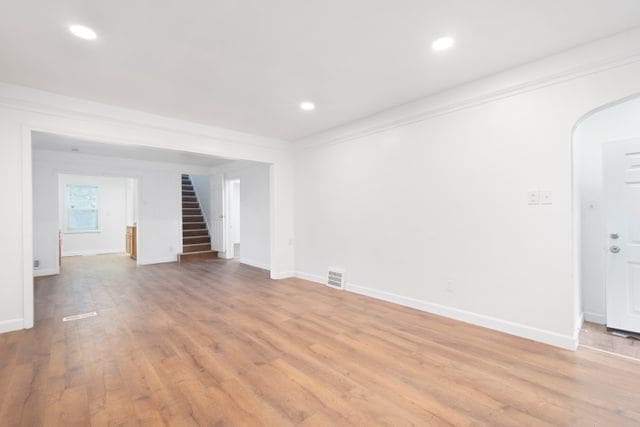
36	263
546	198
533	197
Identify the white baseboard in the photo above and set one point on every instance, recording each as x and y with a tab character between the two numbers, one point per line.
282	275
254	263
312	278
142	261
600	319
93	252
548	337
46	272
11	325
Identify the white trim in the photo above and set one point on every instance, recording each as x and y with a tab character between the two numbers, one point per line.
598	318
38	101
173	258
46	272
254	263
282	275
548	337
93	252
28	301
312	278
589	58
11	325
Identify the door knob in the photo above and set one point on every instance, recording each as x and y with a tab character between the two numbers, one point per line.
614	249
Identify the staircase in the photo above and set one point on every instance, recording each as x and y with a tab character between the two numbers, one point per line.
196	242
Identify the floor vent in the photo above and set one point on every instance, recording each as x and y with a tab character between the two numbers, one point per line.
335	279
79	316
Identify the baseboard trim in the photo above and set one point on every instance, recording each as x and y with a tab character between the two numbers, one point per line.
277	275
547	337
11	325
312	278
93	252
253	263
46	272
600	319
157	260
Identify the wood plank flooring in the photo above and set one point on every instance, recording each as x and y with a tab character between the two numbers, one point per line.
597	336
218	343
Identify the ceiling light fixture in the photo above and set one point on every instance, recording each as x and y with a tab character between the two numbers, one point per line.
443	43
83	32
307	106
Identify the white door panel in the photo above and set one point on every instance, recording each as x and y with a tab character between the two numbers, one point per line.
622	192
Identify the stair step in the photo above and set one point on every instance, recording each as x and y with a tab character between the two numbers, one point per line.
193	225
186	187
191	211
192	240
192	218
195	256
196	247
198	232
190	205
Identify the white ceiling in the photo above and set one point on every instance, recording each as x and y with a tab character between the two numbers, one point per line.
54	142
246	65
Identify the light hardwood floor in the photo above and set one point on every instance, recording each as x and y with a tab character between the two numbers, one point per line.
218	343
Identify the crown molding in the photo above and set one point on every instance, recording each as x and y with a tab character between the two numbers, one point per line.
489	89
31	100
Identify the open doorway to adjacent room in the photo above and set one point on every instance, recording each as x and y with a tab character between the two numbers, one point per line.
146	204
607	161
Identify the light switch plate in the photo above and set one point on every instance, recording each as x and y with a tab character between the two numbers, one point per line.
533	197
546	198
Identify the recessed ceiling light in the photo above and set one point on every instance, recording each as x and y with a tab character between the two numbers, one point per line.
307	106
443	43
83	32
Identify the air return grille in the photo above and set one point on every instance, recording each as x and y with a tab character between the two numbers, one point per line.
335	279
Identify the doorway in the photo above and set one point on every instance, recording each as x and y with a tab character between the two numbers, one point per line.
232	203
607	174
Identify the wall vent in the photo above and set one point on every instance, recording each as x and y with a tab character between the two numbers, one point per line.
335	278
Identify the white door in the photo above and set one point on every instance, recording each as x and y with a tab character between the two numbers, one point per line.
622	192
217	209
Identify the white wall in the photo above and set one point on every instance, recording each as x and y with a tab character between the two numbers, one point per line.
618	122
132	202
112	216
254	211
159	192
426	205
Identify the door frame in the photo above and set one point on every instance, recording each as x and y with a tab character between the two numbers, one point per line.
105	137
228	244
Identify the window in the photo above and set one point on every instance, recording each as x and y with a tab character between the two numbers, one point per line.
81	208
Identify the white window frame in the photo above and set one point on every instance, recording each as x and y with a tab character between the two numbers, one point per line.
66	210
